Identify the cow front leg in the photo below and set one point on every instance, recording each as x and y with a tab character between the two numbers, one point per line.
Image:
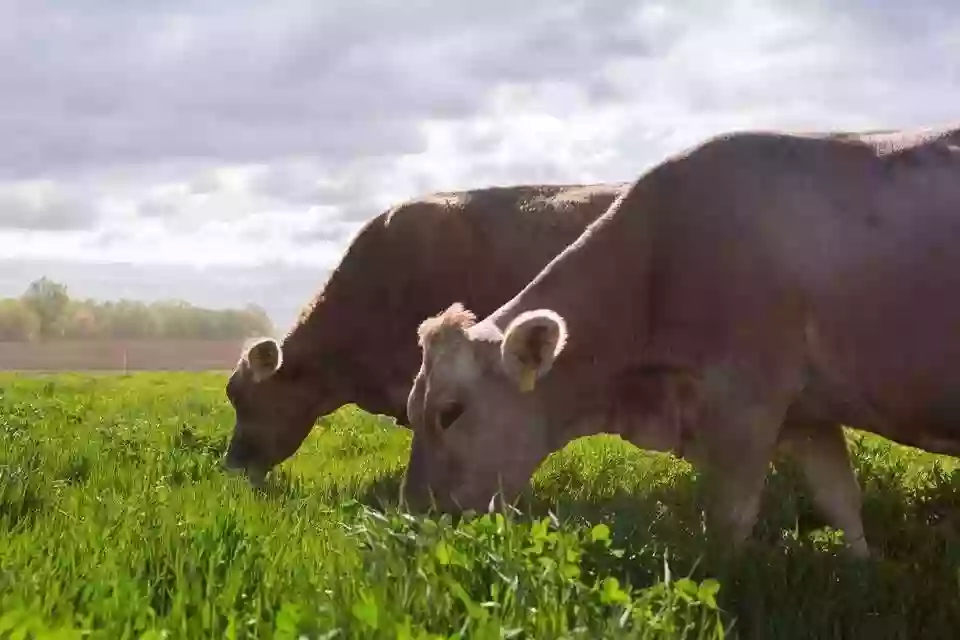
735	432
733	451
821	452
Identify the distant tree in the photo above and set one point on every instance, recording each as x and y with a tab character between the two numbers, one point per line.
180	320
83	320
174	319
260	323
46	311
132	319
48	300
250	322
18	323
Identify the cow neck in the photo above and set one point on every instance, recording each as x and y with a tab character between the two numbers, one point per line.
587	282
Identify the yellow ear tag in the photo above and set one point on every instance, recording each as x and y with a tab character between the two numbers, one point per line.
528	379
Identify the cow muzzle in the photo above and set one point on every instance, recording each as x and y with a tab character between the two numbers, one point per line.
239	461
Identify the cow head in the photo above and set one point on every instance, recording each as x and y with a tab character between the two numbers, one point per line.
480	407
275	407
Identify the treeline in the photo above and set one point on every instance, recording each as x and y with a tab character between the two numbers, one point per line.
46	312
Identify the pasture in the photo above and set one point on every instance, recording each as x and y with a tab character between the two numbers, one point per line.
116	522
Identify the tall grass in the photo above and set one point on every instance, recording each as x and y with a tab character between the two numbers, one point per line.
116	522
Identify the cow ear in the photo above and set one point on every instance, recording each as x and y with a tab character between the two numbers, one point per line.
530	344
264	358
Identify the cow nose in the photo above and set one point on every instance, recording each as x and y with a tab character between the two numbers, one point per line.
238	456
253	472
421	498
231	461
411	495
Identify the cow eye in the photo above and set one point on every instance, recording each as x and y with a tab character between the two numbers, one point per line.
449	414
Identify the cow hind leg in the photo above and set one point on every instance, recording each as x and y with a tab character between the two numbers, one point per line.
820	451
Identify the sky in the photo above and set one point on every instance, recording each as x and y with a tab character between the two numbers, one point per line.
225	153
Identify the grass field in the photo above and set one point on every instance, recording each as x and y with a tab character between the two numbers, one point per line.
115	522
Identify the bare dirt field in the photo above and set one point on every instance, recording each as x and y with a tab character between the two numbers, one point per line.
120	355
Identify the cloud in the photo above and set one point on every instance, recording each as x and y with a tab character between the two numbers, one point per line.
344	81
172	134
43	204
87	87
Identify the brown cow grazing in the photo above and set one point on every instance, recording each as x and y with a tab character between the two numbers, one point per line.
724	283
352	344
480	246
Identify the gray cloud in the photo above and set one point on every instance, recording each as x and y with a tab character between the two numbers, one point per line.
45	206
157	208
310	183
113	84
121	83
